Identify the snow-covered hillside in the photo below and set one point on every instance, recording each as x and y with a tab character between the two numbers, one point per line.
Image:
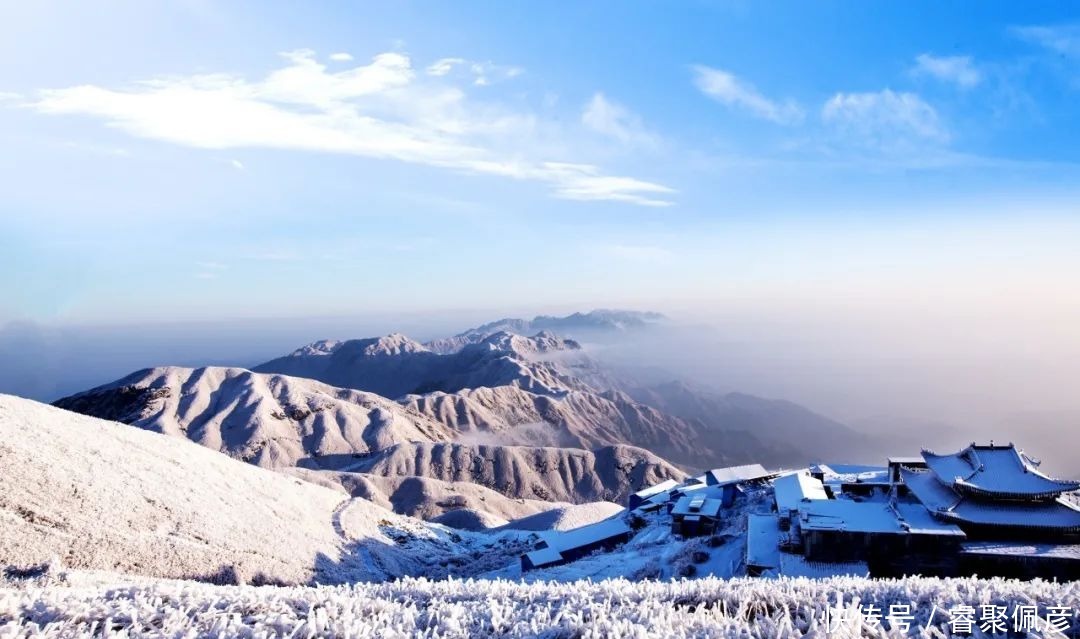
549	474
106	496
742	608
431	499
273	421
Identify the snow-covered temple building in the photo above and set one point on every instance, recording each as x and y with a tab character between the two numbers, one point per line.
995	492
984	510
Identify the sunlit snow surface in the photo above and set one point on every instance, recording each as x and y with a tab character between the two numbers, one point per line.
708	607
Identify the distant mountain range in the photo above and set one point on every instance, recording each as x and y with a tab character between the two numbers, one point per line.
574	325
532	417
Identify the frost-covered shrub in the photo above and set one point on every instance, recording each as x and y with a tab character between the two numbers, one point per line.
651	570
709	607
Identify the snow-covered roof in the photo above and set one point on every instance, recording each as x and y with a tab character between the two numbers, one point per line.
697	504
1001	471
932	493
544	556
917	520
849	516
663	486
791	490
851	473
593	533
872	517
917	461
762	541
946	503
735	474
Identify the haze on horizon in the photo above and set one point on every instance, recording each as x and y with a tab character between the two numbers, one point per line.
878	220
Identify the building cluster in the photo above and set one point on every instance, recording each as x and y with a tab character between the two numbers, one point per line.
985	510
694	507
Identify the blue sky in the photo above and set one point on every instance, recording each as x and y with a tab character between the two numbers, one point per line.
210	160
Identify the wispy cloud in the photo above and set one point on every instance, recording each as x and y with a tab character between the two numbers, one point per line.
483	73
341	57
730	91
613	120
885	120
380	110
444	66
959	70
1063	39
237	164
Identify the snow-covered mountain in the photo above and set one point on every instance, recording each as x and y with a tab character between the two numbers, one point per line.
272	421
547	390
503	389
101	495
395	365
278	422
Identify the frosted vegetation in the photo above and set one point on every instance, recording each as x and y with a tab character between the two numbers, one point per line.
708	607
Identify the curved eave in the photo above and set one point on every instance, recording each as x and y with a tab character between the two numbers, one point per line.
961	520
1046	495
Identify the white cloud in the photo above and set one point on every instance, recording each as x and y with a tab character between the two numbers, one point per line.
341	57
959	70
237	164
444	66
615	121
8	96
585	182
885	119
379	110
729	90
1063	39
483	73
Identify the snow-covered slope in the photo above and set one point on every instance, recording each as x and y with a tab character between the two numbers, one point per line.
102	495
566	517
431	499
549	474
511	415
272	421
